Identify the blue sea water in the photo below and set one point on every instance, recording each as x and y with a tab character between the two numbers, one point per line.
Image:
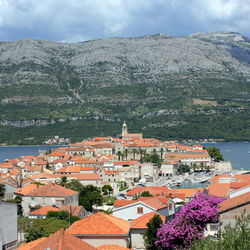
12	152
236	152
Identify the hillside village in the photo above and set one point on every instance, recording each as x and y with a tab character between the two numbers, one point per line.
142	176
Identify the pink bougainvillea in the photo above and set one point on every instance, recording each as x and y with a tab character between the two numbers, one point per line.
190	223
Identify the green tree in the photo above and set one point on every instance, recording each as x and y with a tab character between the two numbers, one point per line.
232	238
134	153
35	233
153	157
63	181
215	154
89	196
146	194
107	189
150	236
126	153
119	154
183	168
2	190
122	185
75	185
62	215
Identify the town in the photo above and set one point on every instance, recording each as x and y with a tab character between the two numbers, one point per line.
108	189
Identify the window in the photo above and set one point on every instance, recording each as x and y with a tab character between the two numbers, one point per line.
170	206
140	210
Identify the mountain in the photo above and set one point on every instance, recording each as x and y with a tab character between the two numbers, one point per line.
167	87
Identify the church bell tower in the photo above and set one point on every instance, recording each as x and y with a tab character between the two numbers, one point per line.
124	129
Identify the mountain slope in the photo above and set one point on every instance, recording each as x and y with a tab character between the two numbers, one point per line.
169	87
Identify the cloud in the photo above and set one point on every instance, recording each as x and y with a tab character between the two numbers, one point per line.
78	20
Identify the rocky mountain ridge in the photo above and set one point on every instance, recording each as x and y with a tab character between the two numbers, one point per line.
108	80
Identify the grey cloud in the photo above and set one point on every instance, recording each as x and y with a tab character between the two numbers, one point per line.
78	20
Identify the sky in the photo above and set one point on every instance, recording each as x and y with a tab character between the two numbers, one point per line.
82	20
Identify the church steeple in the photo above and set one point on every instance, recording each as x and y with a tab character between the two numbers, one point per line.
124	129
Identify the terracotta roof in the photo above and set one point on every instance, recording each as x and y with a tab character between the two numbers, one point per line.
100	224
34	168
101	138
112	247
113	172
41	162
31	245
69	169
57	154
60	240
44	210
155	203
219	189
234	202
243	177
26	189
104	145
237	185
52	190
90	176
141	222
126	162
152	190
121	203
189	192
87	168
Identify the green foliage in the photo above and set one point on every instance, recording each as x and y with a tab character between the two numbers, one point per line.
2	190
62	215
232	238
107	189
74	185
150	236
215	153
146	194
90	195
108	211
109	200
63	181
183	168
153	157
41	228
122	185
35	233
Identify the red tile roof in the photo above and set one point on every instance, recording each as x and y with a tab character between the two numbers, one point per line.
126	162
141	222
121	203
31	245
155	203
100	224
219	189
44	210
26	189
152	190
112	247
235	202
51	190
60	240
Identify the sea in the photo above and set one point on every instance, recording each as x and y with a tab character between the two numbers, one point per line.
11	152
